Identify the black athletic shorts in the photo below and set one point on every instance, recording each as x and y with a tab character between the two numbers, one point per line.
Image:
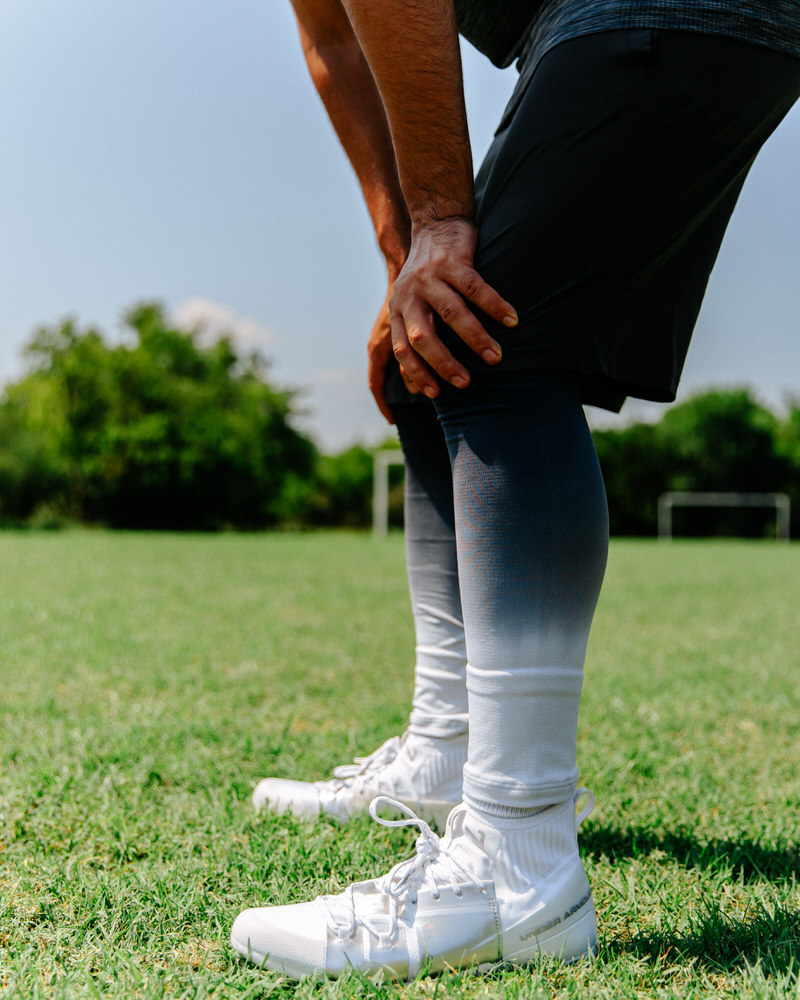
603	200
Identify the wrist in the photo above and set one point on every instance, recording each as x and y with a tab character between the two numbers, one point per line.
395	257
393	243
428	225
438	210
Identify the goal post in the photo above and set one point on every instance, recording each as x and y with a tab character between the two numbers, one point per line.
380	488
780	501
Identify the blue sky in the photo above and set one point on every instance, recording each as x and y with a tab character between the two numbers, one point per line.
175	150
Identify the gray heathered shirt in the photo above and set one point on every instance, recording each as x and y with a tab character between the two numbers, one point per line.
506	30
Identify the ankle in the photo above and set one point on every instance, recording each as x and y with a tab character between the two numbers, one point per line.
503	815
437	732
416	739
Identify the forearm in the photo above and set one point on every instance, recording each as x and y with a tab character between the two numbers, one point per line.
413	52
416	119
346	86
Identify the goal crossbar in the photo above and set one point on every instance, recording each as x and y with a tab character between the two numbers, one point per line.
780	501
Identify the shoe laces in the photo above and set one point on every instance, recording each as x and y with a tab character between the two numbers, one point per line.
379	758
358	778
379	905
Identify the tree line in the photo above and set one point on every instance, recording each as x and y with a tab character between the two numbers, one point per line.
165	431
721	440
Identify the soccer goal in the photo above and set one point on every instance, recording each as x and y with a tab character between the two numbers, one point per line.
380	488
780	501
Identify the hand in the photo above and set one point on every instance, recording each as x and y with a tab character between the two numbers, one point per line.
439	277
379	351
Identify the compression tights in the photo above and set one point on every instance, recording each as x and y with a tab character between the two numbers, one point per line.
531	531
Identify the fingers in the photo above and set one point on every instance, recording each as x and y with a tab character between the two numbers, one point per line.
413	389
416	344
447	249
377	386
379	349
412	355
439	279
475	290
376	377
452	308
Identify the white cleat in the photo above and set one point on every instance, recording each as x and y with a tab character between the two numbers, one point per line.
482	895
420	772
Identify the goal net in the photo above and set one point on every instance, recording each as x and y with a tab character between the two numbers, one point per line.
779	501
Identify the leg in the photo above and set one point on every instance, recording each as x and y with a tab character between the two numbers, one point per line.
506	881
423	768
440	693
532	531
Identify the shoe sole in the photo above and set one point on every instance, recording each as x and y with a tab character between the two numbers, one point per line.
573	943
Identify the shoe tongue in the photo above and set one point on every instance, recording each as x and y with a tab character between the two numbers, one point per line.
465	843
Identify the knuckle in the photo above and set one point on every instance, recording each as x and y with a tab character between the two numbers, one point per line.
401	351
449	312
471	283
416	337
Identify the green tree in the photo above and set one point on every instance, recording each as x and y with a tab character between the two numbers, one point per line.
636	471
161	432
724	440
34	472
721	440
789	450
344	488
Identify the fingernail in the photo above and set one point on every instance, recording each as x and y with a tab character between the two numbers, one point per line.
491	355
460	382
511	319
430	392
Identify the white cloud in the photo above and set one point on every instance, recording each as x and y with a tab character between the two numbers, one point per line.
215	321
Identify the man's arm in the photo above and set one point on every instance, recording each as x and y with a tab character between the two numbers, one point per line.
345	83
343	80
412	49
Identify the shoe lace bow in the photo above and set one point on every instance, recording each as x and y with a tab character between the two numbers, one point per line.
378	906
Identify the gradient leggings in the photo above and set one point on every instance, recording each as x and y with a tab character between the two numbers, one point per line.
506	523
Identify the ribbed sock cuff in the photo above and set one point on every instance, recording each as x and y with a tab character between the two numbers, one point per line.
492	811
438	728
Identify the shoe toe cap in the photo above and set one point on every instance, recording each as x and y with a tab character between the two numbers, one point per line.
282	795
288	939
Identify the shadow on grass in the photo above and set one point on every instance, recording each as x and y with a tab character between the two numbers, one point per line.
745	858
768	940
766	937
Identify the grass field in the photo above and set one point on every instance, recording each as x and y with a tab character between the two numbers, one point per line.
148	680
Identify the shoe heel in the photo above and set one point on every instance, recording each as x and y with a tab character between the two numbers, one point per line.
570	941
577	941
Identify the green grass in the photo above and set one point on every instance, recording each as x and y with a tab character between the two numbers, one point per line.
148	680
